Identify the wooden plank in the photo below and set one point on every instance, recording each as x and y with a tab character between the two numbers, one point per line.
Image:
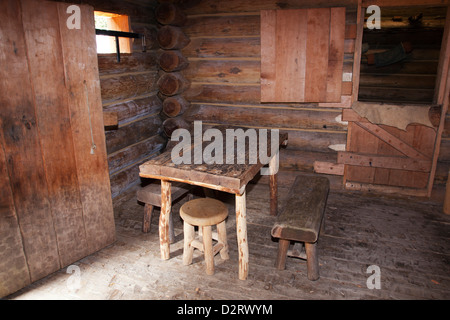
367	187
336	54
79	48
388	162
14	273
357	52
392	140
290	62
268	55
404	3
317	47
22	147
46	67
445	100
211	47
265	117
329	168
110	119
361	141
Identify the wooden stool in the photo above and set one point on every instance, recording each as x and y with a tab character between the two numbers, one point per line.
151	196
204	213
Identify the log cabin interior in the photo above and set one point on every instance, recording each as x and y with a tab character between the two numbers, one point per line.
364	107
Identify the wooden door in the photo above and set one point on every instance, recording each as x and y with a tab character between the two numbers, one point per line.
56	203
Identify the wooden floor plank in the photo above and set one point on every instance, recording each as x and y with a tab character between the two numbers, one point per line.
405	237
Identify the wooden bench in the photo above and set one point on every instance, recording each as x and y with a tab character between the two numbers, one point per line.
151	196
301	221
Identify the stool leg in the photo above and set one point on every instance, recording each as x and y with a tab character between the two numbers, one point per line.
148	210
312	261
222	238
189	235
283	246
208	250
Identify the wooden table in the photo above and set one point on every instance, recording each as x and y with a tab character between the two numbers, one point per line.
231	178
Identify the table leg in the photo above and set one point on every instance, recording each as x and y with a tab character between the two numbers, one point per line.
273	169
241	230
166	204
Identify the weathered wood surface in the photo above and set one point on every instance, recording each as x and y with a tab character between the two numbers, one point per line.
226	177
172	38
172	60
399	82
172	83
62	198
172	124
225	67
303	211
406	237
175	106
169	13
132	110
302	58
132	133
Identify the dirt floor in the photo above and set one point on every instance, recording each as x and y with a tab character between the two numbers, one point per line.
402	242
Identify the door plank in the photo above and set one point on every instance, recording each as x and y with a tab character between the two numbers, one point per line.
51	103
22	149
85	109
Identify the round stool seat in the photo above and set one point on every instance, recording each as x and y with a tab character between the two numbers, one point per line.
203	212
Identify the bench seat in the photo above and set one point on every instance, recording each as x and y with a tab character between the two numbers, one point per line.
301	219
151	196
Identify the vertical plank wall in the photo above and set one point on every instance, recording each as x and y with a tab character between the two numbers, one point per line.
57	207
224	70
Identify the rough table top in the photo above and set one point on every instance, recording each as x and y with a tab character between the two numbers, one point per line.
229	175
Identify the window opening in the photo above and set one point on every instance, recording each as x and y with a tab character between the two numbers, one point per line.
399	61
112	22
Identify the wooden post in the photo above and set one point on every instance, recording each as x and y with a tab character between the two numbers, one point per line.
166	203
273	168
241	230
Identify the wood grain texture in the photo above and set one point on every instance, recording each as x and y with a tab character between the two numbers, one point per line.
295	47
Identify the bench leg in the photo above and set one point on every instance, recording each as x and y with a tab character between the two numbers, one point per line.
283	246
147	220
148	210
312	260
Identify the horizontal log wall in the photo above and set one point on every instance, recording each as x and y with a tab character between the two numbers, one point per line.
224	70
129	90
